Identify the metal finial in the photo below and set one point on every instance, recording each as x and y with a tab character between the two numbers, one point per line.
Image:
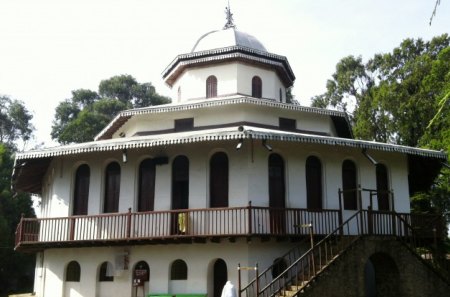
229	23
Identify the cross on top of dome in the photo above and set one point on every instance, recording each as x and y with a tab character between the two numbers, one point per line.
230	22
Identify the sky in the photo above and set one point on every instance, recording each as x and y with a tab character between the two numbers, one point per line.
50	47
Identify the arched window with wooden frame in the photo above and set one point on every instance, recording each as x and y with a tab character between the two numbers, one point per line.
211	86
382	187
218	180
81	190
313	172
73	272
146	191
112	188
256	87
349	185
178	270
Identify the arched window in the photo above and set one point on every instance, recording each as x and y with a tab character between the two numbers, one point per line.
277	193
382	187
146	194
211	87
73	272
256	87
106	273
349	185
112	188
313	183
179	270
218	180
81	190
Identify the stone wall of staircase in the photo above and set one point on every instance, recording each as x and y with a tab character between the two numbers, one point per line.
399	272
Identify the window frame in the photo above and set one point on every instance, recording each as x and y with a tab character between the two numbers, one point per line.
211	86
256	87
73	272
178	270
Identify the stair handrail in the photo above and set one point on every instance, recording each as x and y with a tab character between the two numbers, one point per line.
262	274
411	241
339	231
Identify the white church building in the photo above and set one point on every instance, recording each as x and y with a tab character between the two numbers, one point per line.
168	200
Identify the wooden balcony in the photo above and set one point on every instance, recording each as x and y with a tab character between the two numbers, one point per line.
174	226
196	225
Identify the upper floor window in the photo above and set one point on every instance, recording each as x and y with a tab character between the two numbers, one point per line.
313	183
211	87
112	188
382	187
218	180
287	124
179	270
349	185
81	190
256	87
184	124
281	95
106	273
146	198
73	272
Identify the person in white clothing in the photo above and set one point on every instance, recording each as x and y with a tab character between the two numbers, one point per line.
229	290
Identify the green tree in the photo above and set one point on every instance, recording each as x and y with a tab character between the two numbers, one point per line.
83	116
400	97
16	269
14	121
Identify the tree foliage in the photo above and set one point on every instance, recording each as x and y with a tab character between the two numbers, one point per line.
16	269
14	121
83	116
400	97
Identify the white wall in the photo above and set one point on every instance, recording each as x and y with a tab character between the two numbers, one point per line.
198	257
232	78
248	179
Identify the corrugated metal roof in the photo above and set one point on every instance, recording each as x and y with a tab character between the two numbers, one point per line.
123	116
230	133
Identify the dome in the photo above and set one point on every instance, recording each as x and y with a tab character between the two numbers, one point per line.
227	38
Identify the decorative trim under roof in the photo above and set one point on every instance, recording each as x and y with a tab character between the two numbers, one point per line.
231	133
227	53
125	115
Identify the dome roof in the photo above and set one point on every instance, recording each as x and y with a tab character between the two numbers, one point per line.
227	38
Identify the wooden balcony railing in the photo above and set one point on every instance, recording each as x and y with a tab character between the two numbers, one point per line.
174	224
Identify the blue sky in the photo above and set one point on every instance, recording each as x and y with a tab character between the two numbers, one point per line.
50	47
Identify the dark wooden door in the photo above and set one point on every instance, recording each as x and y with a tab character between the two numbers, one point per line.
349	185
180	191
382	187
277	194
218	180
146	196
313	183
112	188
220	276
81	193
